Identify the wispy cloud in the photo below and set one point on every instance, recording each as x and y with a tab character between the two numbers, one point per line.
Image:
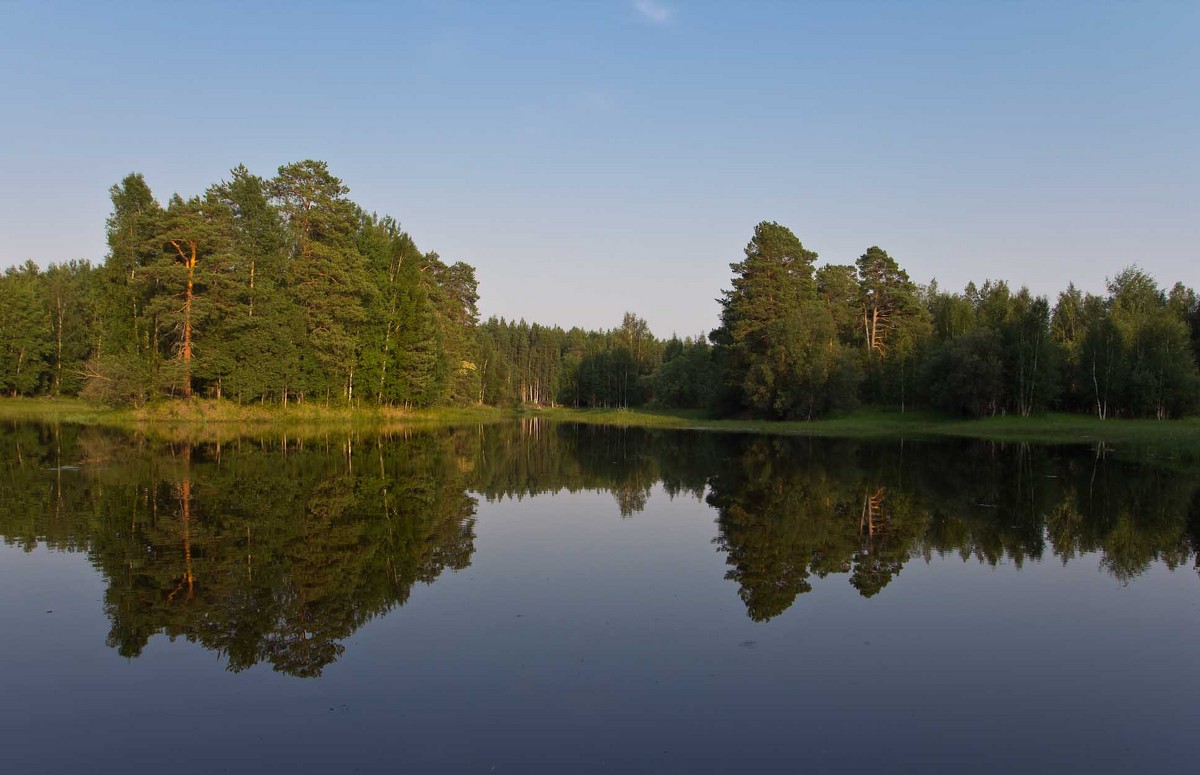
654	11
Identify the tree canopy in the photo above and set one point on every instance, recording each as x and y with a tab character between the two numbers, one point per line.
282	289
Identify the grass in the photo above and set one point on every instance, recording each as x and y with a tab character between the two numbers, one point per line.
205	420
71	410
210	412
1172	438
1178	439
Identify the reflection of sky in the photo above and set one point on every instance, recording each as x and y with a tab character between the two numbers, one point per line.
578	641
594	157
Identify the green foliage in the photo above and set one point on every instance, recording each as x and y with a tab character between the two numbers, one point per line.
778	341
965	375
688	378
523	363
284	291
130	230
895	328
1132	353
838	287
276	290
326	273
119	379
24	323
259	326
454	295
71	305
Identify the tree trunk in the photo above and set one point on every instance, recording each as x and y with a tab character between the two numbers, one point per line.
189	261
58	348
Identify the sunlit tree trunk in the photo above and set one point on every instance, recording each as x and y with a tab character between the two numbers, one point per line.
187	252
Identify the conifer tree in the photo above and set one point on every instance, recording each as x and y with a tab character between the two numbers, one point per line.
130	231
262	327
326	274
776	339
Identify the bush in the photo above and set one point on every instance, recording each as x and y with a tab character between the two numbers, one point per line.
118	380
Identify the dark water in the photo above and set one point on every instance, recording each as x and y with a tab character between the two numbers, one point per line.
535	598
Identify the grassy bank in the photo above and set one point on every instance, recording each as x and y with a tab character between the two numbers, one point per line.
223	412
203	420
1175	438
54	410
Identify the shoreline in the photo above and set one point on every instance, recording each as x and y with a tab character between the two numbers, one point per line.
1175	438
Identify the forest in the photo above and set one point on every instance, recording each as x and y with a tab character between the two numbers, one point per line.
284	290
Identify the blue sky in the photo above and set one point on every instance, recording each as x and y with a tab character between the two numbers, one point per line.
595	157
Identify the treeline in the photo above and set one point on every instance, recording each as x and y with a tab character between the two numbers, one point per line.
279	290
258	290
627	366
283	290
796	341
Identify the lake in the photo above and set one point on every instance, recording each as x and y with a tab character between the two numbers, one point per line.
530	597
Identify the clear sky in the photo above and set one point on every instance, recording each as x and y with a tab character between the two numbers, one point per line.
594	157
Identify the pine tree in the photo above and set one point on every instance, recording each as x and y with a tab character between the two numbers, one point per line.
776	340
193	262
261	329
130	229
326	274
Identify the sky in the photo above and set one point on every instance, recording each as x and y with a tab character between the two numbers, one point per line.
592	158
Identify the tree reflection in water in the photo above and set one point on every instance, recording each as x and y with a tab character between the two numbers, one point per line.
277	549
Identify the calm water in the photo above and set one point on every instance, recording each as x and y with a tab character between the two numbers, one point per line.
533	598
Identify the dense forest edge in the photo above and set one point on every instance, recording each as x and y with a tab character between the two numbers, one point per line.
282	297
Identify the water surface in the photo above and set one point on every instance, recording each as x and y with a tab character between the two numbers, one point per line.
536	598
